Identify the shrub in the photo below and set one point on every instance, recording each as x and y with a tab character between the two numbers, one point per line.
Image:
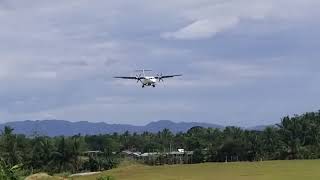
7	172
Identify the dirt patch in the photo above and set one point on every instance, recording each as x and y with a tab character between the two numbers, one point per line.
85	174
42	176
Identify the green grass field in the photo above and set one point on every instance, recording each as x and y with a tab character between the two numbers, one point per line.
269	170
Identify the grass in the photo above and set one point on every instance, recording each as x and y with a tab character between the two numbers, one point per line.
275	170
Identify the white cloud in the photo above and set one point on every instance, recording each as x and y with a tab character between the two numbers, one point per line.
209	18
202	28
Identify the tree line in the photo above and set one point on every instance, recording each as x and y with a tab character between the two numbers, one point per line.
296	137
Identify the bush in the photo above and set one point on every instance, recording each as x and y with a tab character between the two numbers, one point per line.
7	172
101	163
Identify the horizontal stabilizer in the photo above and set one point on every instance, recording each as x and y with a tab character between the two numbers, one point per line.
142	70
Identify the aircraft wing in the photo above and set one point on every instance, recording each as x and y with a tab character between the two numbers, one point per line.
128	77
168	76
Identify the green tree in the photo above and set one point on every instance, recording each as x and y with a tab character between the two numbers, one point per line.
291	134
9	147
61	158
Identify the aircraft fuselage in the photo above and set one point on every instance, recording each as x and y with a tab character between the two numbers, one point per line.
149	81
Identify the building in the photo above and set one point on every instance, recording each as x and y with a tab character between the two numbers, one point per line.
160	158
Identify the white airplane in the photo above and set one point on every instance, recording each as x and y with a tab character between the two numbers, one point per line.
147	80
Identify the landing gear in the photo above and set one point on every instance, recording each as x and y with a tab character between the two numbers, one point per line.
142	86
153	85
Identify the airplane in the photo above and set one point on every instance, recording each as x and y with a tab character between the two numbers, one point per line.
147	80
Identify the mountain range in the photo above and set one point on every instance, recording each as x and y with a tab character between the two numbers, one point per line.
67	128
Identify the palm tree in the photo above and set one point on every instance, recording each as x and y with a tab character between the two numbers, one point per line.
61	158
166	139
76	152
271	143
290	130
9	147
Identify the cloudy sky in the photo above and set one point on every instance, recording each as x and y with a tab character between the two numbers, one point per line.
245	62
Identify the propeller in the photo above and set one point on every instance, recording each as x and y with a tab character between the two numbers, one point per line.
160	77
138	78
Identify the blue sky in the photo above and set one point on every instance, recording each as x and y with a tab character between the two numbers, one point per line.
245	62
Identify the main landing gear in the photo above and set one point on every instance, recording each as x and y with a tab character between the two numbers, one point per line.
148	85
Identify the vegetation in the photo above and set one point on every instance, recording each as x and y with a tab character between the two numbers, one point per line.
266	170
295	137
7	172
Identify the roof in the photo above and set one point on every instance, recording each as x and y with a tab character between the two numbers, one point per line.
139	154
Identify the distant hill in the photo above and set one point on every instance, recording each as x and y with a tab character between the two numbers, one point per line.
66	128
261	127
